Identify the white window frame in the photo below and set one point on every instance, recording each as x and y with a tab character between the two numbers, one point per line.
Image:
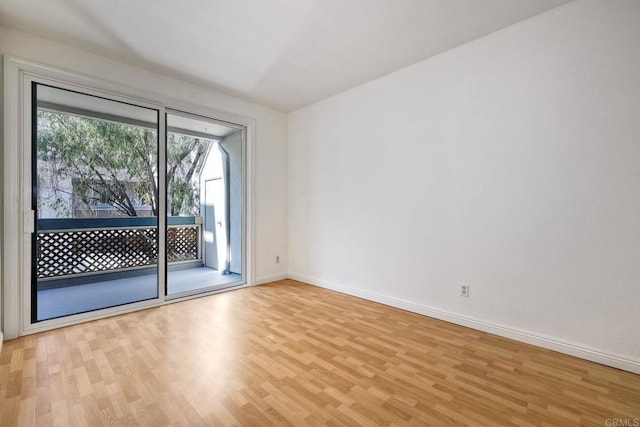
18	219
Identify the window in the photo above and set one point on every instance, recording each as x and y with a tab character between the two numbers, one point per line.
122	204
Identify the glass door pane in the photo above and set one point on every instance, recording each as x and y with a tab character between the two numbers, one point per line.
204	205
95	194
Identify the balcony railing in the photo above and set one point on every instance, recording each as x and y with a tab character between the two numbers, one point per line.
81	246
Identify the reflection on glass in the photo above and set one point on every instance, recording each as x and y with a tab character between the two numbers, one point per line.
204	205
96	200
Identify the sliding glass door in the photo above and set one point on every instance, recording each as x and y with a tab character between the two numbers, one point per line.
106	226
204	204
95	197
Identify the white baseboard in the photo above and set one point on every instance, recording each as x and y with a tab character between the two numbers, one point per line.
1	340
268	279
552	343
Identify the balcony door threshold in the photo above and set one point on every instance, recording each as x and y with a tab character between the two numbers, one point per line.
204	292
46	325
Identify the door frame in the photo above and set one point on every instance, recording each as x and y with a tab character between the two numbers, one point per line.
245	222
18	219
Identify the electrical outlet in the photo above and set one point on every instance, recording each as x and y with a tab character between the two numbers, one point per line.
277	259
464	290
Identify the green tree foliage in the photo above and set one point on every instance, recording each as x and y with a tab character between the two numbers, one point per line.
185	156
116	163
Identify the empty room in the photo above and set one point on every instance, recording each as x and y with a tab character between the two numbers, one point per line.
320	212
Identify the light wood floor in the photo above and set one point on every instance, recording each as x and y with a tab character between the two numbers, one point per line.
293	354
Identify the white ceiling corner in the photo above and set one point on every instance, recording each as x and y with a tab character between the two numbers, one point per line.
281	53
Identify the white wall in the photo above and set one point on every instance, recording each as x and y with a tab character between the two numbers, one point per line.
210	201
271	131
511	164
233	145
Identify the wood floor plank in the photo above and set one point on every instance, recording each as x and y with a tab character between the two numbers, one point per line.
293	354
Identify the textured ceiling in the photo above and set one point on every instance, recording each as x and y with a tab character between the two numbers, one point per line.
282	53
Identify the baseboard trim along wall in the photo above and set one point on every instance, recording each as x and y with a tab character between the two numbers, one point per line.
551	343
268	279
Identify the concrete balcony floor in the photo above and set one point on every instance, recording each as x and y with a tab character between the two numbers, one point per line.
65	301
